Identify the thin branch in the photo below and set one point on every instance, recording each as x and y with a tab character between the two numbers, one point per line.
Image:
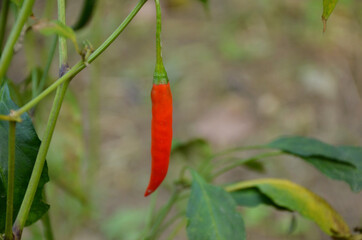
10	188
13	37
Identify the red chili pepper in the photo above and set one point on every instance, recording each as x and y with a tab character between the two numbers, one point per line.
161	116
161	134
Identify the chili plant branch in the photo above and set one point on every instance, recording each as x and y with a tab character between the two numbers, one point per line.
81	65
10	188
13	37
44	147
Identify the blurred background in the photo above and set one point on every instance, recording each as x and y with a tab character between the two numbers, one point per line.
242	73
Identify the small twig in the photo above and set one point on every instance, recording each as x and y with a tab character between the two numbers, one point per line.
10	187
7	54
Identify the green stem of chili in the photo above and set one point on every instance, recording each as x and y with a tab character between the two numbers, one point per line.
48	134
160	75
10	188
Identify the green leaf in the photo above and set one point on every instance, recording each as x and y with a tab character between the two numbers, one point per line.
59	28
212	214
27	146
340	163
297	198
343	172
328	7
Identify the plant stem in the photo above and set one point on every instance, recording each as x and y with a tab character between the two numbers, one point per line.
81	65
3	20
160	74
13	37
39	162
163	214
63	52
245	160
10	189
69	75
159	63
44	147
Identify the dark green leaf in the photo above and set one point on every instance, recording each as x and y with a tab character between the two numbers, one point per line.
341	163
307	147
27	146
212	214
297	198
343	172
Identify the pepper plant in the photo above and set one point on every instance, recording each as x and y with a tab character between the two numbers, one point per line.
206	210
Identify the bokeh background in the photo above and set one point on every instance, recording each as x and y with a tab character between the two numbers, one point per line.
243	73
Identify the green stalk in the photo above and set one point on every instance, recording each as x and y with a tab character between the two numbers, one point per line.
10	189
39	162
63	50
3	20
81	65
160	75
13	37
44	147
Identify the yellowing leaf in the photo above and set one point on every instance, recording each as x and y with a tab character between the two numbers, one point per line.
328	7
297	198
